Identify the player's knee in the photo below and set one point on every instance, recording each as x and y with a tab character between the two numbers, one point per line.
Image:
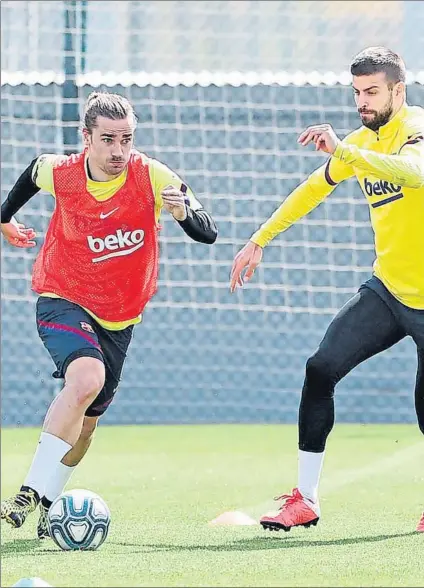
85	380
88	387
320	377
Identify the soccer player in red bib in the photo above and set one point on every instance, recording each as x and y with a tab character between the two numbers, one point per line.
94	274
387	157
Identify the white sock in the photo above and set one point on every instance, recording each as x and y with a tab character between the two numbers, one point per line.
56	484
309	472
48	455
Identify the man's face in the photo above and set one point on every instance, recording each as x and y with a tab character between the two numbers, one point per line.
110	143
374	97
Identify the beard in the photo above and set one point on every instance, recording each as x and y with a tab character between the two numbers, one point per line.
380	118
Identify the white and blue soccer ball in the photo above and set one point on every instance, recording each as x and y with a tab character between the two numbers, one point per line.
79	520
31	583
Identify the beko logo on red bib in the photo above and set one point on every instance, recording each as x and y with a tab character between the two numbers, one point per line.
117	244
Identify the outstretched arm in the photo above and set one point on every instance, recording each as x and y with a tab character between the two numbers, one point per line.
303	200
298	204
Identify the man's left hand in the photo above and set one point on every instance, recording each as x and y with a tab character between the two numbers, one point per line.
323	136
174	202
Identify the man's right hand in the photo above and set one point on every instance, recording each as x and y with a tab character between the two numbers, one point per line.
250	256
18	234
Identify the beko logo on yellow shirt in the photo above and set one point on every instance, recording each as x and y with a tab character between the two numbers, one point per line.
382	188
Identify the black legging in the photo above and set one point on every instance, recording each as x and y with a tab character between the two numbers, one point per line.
364	327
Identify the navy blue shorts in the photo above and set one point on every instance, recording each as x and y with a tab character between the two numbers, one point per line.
68	332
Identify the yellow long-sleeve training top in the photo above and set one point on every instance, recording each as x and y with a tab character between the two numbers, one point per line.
389	166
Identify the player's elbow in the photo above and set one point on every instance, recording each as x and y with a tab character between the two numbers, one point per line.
213	235
415	180
209	232
421	177
413	176
210	236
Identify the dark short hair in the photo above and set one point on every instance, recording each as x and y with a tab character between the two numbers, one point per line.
375	60
113	106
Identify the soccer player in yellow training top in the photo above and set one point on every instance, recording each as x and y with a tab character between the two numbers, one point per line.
386	155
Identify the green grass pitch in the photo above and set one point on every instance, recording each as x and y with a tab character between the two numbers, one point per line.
163	485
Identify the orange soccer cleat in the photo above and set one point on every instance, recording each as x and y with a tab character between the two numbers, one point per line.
296	511
420	527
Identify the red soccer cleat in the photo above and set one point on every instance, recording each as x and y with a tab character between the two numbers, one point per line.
296	511
420	527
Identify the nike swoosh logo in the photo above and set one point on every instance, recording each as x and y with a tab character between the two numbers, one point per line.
106	214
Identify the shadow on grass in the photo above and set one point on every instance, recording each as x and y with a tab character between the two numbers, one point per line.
19	546
262	543
32	546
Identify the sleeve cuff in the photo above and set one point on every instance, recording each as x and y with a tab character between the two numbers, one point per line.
257	239
188	219
338	154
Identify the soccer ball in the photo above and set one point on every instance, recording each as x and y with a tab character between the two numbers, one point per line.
78	520
31	583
